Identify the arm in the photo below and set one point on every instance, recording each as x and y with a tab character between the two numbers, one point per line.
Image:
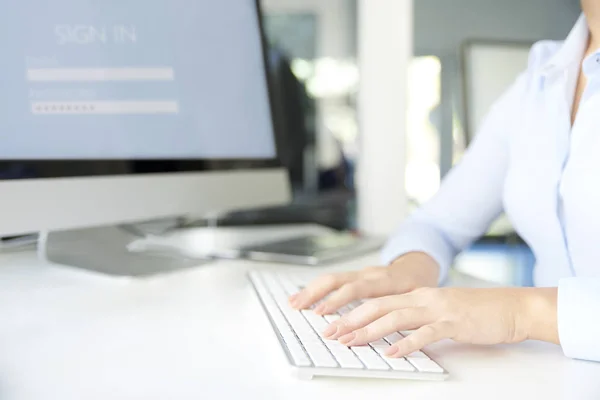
578	322
423	249
470	198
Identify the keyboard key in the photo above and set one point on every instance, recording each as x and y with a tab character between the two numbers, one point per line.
349	362
342	353
380	343
417	354
393	338
370	358
299	356
333	344
380	347
338	349
299	324
344	356
332	317
399	364
316	321
308	337
288	337
287	284
320	356
425	365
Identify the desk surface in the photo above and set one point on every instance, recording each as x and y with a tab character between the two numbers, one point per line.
201	334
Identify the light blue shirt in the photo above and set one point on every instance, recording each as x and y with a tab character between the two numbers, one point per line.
544	173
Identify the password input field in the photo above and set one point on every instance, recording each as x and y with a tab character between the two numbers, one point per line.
99	74
104	107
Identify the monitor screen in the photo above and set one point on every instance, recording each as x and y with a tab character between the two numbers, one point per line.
133	80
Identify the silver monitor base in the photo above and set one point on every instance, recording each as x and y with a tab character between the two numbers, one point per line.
107	250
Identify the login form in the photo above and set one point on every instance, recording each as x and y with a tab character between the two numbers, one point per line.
133	79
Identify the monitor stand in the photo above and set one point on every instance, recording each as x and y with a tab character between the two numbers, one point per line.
113	250
128	250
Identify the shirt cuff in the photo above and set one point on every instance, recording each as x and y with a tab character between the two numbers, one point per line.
417	237
578	323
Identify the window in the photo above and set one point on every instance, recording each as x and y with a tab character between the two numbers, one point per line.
423	137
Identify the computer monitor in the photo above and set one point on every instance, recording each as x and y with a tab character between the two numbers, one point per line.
123	111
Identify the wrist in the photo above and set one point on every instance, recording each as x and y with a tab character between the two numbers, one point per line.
419	267
540	313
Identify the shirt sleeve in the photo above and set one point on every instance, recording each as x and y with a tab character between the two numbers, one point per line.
470	197
578	323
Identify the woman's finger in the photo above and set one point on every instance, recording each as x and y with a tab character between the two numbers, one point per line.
358	289
367	313
422	337
397	320
320	288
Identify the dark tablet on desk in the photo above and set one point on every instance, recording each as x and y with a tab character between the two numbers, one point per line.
313	249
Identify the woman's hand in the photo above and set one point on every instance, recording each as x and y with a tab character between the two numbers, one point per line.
409	272
477	316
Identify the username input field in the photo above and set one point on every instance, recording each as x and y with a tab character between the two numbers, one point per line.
99	74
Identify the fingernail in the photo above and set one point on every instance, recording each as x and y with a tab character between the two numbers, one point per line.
330	331
293	297
391	351
347	339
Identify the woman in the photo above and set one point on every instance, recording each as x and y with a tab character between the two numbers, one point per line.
537	158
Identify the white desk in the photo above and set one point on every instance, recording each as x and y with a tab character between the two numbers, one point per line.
200	334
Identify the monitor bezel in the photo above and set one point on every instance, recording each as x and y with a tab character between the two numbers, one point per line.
73	168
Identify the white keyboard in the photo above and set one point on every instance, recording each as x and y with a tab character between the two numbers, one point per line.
299	334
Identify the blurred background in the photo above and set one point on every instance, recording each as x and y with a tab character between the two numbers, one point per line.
316	43
465	54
